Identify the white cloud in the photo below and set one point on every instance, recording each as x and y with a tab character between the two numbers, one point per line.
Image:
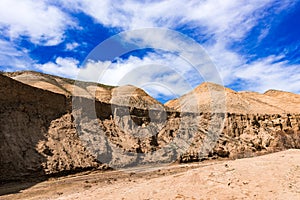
226	19
66	67
71	68
71	46
92	71
161	75
11	56
225	61
41	22
165	41
155	73
270	73
223	21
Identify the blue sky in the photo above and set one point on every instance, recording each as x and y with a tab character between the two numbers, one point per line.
253	44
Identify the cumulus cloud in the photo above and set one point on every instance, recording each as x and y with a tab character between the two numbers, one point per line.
157	74
93	71
151	69
41	22
66	67
226	61
10	56
163	76
71	46
165	42
270	73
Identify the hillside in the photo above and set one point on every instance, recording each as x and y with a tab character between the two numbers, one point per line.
124	95
210	97
207	97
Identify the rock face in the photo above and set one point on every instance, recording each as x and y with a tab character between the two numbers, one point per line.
47	133
250	135
37	135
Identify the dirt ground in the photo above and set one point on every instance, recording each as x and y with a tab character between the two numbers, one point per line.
273	176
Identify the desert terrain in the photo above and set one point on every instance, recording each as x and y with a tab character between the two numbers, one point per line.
67	139
272	176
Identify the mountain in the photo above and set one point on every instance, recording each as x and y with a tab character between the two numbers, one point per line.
210	97
207	97
67	87
134	97
123	95
43	134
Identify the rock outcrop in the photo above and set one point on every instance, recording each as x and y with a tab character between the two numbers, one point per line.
47	133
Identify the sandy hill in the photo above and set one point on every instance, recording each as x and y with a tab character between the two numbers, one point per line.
124	95
210	97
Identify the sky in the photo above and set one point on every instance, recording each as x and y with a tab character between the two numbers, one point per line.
165	47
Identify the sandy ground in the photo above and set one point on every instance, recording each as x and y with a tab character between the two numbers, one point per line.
273	176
